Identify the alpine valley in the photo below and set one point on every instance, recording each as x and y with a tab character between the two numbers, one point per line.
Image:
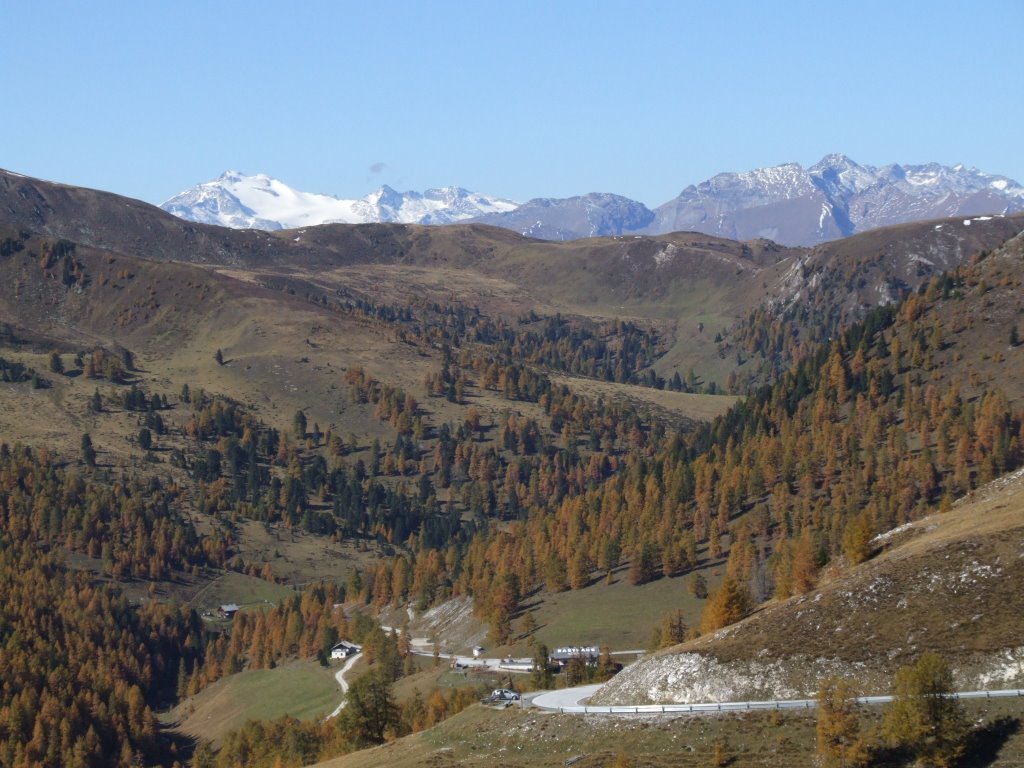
287	479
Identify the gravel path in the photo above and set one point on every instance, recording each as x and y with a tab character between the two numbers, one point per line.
340	677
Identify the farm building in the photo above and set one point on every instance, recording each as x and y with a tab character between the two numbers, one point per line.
344	649
227	611
587	653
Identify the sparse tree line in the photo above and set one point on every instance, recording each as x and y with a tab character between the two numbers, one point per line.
98	363
615	350
55	256
13	372
233	466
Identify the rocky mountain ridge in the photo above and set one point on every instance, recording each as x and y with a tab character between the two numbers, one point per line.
834	198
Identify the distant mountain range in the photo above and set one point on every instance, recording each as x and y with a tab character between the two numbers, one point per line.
261	202
833	198
789	204
595	215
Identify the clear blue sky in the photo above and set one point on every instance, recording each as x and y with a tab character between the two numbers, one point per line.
519	99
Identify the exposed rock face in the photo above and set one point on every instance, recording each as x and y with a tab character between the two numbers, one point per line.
834	198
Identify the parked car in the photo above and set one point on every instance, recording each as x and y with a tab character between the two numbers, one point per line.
501	697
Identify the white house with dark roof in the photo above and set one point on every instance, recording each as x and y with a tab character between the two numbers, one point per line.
344	650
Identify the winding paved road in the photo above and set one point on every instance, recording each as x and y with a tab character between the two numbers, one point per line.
566	699
569	701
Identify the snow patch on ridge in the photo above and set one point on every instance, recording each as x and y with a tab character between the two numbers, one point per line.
826	210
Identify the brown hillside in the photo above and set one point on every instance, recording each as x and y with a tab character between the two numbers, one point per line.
281	352
694	286
878	266
979	322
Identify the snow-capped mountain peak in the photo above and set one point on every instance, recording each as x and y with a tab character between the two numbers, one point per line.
788	203
260	201
385	197
834	197
838	174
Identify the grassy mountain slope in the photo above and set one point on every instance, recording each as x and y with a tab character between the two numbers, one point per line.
301	689
281	352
